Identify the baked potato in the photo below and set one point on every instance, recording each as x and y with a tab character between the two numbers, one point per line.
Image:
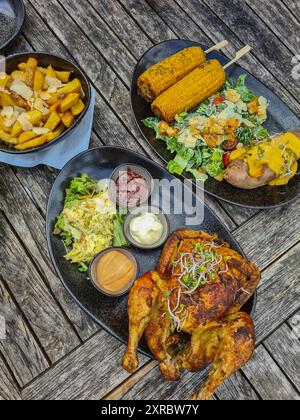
274	162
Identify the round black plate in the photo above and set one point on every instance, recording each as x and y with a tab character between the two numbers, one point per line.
111	313
280	119
17	6
60	64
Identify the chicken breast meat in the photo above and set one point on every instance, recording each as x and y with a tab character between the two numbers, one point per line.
190	310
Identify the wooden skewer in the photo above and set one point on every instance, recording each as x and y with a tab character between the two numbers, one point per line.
238	56
218	46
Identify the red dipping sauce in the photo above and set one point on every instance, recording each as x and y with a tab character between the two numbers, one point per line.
131	188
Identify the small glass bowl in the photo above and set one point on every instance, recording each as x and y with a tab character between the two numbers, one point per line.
93	273
139	211
139	170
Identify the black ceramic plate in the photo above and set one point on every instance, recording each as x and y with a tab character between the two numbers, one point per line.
16	9
280	119
60	64
111	313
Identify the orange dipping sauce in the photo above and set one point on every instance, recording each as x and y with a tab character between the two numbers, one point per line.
115	271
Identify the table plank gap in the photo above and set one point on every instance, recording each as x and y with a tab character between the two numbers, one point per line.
275	16
123	26
9	390
90	372
148	20
283	346
263	373
294	7
21	347
42	311
253	32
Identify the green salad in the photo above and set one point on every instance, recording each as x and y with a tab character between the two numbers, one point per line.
89	222
201	140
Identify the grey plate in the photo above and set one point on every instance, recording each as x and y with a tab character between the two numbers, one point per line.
111	313
18	9
280	119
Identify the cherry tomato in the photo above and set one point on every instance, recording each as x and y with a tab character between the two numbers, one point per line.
230	145
218	100
226	160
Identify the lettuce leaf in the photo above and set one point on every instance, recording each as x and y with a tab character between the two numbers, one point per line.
246	94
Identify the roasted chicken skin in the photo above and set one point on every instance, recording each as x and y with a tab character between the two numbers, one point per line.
189	310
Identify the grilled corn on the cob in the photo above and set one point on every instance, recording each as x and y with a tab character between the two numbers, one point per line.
189	92
165	74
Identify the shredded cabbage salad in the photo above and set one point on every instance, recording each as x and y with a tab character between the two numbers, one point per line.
89	222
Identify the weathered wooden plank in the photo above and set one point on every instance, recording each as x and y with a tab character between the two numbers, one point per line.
241	20
148	20
20	349
41	310
279	293
218	209
30	227
279	20
267	378
269	234
153	387
89	373
129	383
123	26
38	181
8	388
294	323
215	27
239	214
112	127
284	347
110	47
237	388
294	7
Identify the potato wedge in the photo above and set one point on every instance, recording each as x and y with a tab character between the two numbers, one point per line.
35	116
27	136
52	121
68	102
39	141
63	76
38	81
54	98
4	79
17	129
51	72
7	138
20	101
59	130
6	100
22	66
30	69
68	119
78	108
71	87
3	126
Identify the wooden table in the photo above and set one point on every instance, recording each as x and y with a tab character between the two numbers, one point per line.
52	349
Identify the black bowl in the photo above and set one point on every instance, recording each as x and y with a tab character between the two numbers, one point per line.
60	64
19	10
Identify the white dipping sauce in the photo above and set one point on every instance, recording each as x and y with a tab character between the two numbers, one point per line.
146	229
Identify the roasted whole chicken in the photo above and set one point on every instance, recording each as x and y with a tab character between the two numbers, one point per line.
189	310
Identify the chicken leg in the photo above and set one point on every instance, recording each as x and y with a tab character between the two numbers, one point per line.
141	300
228	345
